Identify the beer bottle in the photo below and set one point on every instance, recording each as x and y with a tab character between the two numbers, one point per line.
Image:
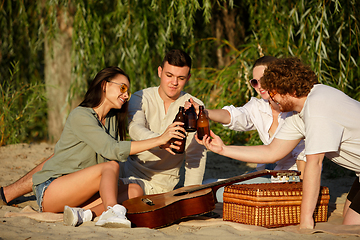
190	117
180	117
203	127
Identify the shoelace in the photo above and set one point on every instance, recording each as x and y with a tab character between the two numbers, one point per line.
119	214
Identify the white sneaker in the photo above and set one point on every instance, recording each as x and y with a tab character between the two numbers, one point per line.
114	217
76	216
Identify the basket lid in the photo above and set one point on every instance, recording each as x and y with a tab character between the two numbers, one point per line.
270	189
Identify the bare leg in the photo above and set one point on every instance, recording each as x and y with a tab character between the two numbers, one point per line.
351	218
125	192
128	191
23	185
102	178
301	167
346	207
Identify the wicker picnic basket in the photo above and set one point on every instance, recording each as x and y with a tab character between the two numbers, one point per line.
269	204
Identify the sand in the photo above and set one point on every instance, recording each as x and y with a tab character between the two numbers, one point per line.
16	160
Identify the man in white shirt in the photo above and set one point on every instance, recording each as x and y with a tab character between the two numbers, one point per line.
327	119
151	110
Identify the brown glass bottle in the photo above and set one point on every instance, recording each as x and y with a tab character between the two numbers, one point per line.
190	119
203	126
180	117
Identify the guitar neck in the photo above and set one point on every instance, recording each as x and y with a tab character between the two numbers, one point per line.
216	185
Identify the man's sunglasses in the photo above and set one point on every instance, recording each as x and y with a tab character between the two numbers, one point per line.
123	89
272	95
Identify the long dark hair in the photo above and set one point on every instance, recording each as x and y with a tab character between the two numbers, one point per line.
94	97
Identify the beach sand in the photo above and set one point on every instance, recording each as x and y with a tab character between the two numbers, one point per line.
17	160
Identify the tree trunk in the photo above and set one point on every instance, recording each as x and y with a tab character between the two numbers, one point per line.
227	25
58	79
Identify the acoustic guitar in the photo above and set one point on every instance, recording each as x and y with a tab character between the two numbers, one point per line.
160	210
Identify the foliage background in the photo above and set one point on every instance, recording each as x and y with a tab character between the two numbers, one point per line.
224	37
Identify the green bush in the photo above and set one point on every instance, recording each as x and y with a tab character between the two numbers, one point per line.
22	116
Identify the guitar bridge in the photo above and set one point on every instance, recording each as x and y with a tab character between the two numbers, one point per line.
148	201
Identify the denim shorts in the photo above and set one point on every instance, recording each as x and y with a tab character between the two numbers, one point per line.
40	189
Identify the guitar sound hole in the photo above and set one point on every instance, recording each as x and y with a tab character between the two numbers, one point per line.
181	194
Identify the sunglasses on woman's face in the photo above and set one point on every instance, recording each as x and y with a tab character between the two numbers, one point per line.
254	83
123	89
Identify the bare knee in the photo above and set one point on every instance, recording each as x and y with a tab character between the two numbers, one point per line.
113	165
135	190
127	191
351	217
346	207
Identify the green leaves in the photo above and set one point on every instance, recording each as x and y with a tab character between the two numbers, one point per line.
21	106
324	34
224	38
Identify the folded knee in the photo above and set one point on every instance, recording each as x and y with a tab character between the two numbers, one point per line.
112	165
135	190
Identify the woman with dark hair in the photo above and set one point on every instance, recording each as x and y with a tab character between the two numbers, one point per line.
84	171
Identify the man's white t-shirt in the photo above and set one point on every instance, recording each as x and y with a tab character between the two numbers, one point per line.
330	123
257	114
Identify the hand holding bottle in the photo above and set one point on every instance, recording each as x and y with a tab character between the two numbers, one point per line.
175	136
212	143
190	103
190	119
178	145
174	130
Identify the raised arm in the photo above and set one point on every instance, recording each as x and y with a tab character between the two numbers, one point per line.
140	128
254	154
217	115
173	131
